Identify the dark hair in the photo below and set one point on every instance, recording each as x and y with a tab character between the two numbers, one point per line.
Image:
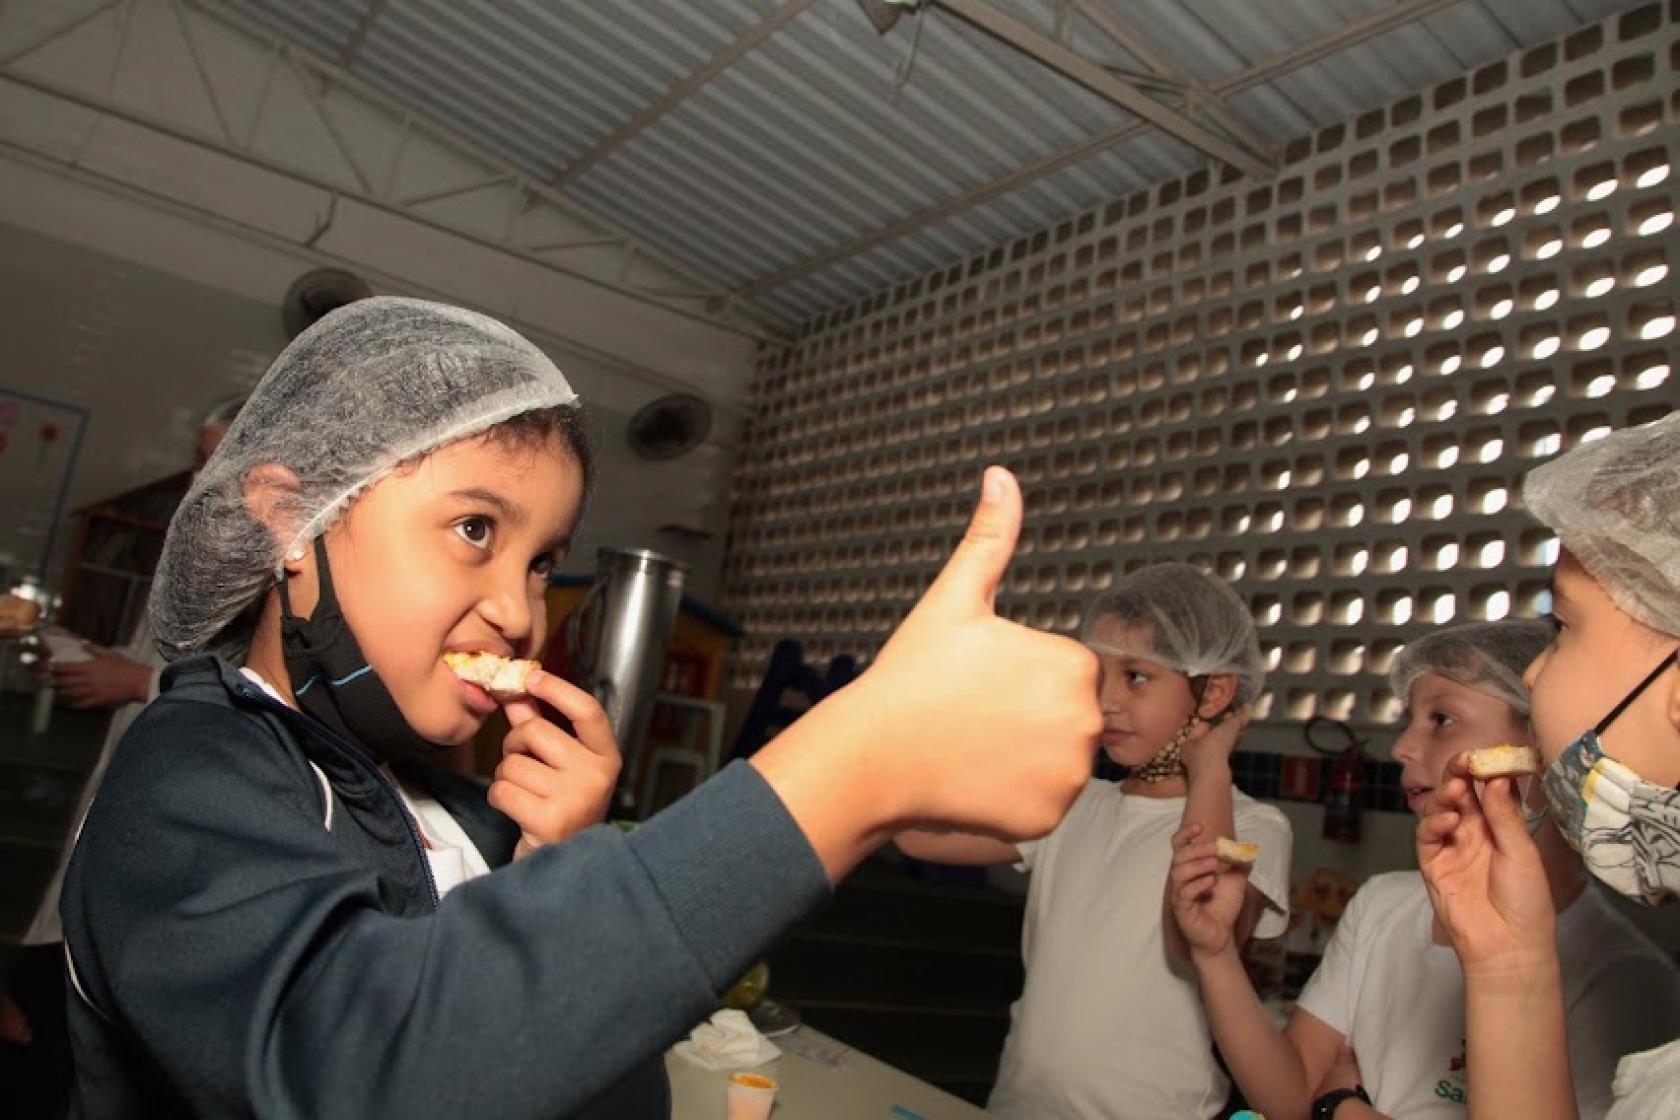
535	428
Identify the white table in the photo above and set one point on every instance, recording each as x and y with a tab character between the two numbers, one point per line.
862	1088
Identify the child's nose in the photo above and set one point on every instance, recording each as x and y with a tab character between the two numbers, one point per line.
508	608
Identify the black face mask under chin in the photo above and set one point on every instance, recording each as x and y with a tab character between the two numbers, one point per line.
333	681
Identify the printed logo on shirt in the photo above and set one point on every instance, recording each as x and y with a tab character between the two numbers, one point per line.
1453	1087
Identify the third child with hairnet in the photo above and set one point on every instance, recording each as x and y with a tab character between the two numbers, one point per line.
1379	1028
1109	1023
1606	699
278	908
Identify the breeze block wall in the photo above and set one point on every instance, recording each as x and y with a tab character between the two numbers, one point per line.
1326	388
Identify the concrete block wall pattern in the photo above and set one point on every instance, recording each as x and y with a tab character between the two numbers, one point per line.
1326	388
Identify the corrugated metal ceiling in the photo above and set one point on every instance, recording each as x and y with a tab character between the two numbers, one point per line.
823	136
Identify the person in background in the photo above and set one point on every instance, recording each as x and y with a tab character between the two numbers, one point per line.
1109	1024
278	907
121	680
1379	1028
1606	696
126	678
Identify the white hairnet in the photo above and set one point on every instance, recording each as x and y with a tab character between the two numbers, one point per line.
1615	505
1489	657
372	385
1195	623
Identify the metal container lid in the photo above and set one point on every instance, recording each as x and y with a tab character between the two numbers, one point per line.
638	560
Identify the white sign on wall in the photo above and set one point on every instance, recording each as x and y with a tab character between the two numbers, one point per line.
39	441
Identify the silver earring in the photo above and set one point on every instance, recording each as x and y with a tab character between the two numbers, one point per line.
295	554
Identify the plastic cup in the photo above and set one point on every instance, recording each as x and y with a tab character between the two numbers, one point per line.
751	1096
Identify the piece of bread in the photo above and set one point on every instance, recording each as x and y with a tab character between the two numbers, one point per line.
18	613
1231	851
1504	761
501	677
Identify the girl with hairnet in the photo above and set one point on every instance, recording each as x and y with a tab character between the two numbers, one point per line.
1606	699
1109	1024
278	908
1379	1028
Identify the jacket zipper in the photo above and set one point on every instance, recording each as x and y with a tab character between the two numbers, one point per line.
357	758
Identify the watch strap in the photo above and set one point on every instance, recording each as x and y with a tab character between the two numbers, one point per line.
1324	1108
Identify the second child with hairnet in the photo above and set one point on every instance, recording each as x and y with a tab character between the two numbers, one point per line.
278	908
1109	1023
1379	1028
1606	718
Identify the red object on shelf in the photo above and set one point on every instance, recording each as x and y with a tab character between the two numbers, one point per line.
1300	778
1343	791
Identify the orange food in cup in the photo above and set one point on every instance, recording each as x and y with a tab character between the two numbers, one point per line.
752	1081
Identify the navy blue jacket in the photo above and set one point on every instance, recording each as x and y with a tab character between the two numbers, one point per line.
252	930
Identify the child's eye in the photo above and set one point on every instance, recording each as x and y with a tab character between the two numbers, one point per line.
544	565
1554	622
1136	676
1441	720
475	531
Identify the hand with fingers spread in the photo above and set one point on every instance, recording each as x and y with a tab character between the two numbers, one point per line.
1207	895
1484	875
550	783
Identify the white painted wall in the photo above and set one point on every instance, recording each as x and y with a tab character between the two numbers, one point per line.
146	350
152	222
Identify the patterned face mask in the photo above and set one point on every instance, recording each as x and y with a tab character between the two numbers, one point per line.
1626	829
1534	817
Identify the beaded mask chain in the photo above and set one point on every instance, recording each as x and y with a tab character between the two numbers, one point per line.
1169	763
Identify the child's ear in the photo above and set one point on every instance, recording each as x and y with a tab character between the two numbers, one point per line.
1217	696
271	495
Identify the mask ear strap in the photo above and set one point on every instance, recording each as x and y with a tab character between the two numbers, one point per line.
285	596
1603	724
323	572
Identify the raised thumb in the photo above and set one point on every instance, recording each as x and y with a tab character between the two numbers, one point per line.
972	574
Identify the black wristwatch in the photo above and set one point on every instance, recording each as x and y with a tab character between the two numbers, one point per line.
1324	1108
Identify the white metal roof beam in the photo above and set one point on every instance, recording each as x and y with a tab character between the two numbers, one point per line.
318	75
53	34
1198	96
674	96
336	190
1126	95
1261	72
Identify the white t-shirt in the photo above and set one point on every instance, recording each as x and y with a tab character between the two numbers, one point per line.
1648	1085
451	852
1105	1027
1398	998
